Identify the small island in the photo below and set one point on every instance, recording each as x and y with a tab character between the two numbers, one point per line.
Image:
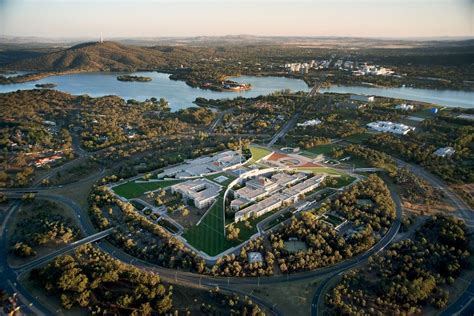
229	85
46	85
133	78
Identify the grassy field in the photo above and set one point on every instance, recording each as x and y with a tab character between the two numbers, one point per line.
166	224
359	138
131	190
424	113
322	149
258	153
320	170
247	232
209	235
281	218
332	219
342	181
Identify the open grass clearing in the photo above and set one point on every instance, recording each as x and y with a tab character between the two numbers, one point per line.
209	235
323	149
341	181
135	189
258	153
359	138
321	170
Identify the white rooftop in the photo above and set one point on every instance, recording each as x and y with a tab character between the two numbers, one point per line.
390	127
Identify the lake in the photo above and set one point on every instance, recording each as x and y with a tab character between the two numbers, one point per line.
177	93
180	95
449	98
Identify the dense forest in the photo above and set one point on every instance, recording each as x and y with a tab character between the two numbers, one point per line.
206	66
410	276
92	279
324	246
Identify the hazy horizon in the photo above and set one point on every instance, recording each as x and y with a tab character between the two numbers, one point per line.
191	18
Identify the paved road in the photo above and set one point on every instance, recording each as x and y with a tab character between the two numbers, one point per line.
70	247
285	129
464	305
28	304
314	91
9	282
384	242
218	120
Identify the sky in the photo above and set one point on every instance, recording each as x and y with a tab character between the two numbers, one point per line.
159	18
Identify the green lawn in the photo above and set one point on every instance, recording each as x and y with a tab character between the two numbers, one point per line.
424	113
320	170
342	181
258	153
281	218
166	224
209	236
359	138
133	189
322	149
332	219
247	232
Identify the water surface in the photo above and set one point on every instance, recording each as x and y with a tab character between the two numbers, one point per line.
449	98
177	93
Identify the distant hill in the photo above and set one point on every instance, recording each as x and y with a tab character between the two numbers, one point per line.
94	56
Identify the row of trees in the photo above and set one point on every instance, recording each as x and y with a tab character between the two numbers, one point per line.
240	265
45	225
92	279
409	276
150	241
324	245
456	169
413	188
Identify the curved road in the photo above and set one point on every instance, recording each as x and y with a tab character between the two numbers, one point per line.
464	305
193	278
187	277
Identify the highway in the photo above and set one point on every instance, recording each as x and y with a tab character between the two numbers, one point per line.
464	305
70	247
285	129
31	306
9	280
380	246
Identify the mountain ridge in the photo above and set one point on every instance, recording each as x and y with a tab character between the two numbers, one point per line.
93	56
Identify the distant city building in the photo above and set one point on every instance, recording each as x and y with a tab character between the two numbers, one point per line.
466	116
362	98
390	127
372	70
405	107
309	123
444	152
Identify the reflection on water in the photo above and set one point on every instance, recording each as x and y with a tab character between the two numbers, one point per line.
451	98
178	93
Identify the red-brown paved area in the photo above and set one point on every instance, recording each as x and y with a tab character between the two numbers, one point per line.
277	156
